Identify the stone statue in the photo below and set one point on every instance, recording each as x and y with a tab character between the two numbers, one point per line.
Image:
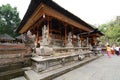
44	35
78	41
69	37
44	48
84	43
69	43
29	39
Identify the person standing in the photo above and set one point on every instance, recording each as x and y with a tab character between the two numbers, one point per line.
112	50
108	51
117	50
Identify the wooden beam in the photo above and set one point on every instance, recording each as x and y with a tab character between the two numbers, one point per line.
53	30
35	16
49	11
38	22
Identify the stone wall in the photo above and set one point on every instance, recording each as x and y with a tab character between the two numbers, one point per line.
14	56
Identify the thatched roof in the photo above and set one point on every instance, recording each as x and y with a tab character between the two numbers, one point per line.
21	38
6	37
34	5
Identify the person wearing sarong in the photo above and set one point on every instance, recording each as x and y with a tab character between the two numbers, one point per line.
108	51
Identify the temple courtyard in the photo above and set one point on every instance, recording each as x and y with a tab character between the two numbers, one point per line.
103	68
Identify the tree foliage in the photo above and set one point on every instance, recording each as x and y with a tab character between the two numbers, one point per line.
111	31
9	19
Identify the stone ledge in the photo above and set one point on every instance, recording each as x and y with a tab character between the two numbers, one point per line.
41	59
13	73
55	73
38	59
40	64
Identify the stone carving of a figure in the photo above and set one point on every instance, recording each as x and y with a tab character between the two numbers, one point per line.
45	35
69	40
78	41
84	43
29	38
69	37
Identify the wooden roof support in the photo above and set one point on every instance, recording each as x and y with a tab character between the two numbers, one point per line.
32	20
72	35
36	24
94	40
87	41
37	37
65	41
48	26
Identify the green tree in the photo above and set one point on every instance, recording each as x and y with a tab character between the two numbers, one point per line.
111	31
9	20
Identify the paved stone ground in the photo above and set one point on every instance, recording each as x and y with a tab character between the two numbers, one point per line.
103	68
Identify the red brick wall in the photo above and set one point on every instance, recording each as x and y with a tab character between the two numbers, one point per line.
14	49
12	46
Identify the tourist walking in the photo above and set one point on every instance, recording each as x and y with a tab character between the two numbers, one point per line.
117	52
108	51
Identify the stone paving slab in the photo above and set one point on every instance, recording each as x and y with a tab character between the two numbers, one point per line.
103	68
19	78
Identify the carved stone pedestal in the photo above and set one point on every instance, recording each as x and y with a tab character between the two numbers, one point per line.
44	51
42	64
36	65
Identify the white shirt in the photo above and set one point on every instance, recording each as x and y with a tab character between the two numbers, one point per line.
117	48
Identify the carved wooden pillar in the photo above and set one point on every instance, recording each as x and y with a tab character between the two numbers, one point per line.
72	35
48	26
65	41
94	38
87	40
81	39
37	36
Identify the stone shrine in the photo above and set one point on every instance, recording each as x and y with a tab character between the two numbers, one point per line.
59	34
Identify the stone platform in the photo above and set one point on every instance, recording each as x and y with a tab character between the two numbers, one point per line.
49	75
61	61
60	57
32	75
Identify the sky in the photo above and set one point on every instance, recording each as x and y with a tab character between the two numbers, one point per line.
94	12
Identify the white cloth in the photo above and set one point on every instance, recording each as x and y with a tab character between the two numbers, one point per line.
117	48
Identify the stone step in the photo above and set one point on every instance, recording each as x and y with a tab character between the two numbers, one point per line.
11	74
19	78
32	75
